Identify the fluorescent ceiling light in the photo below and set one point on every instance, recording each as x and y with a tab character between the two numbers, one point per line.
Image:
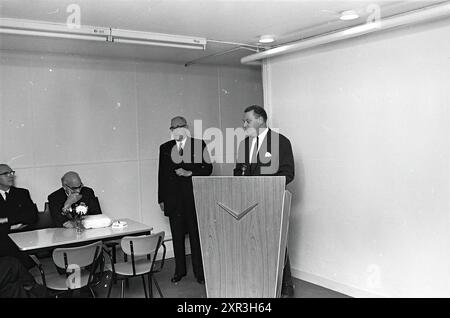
53	35
53	30
266	39
165	44
59	30
349	15
158	39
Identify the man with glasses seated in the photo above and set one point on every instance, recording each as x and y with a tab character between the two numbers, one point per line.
17	212
71	194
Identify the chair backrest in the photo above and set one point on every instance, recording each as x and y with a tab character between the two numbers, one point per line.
142	245
44	220
81	255
98	205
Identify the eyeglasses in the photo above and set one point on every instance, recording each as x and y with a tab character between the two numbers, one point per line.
8	173
179	126
74	188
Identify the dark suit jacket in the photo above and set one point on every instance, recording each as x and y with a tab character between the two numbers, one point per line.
176	192
19	209
56	202
275	158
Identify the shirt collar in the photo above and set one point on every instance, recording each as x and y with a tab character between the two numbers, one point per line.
181	143
2	192
262	135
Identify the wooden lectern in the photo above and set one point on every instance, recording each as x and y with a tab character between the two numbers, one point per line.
243	225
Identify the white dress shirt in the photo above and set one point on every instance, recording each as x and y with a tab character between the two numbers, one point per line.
180	144
3	193
261	137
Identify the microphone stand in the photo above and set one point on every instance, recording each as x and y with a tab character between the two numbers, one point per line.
243	169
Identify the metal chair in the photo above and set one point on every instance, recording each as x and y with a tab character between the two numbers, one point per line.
142	251
44	220
110	244
79	263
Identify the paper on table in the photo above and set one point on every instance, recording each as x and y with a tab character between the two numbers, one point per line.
96	221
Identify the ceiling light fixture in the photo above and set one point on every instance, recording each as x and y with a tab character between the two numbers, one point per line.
158	39
52	30
430	13
349	15
59	30
266	39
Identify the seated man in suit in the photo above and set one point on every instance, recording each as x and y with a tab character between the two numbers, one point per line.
17	211
266	153
16	281
71	194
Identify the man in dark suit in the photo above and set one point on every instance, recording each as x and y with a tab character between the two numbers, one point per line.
17	212
71	194
266	153
179	160
16	281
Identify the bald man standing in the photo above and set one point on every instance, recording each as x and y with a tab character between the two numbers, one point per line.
72	193
179	160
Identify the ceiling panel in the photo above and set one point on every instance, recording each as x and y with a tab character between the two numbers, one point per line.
232	21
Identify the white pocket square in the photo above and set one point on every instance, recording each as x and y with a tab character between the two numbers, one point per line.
268	155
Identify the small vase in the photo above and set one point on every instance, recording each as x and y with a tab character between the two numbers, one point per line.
79	225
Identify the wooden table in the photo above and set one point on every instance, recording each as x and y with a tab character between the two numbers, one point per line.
38	240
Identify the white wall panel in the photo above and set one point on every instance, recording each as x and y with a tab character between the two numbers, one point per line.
238	90
369	123
85	108
16	115
164	92
151	213
105	119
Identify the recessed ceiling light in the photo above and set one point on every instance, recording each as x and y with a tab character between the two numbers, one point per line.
349	15
266	39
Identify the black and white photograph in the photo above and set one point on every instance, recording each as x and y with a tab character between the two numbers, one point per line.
224	155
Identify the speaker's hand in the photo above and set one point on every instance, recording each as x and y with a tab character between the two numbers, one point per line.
183	173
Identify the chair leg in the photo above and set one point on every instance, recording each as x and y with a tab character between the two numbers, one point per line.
150	288
125	259
110	285
114	258
92	292
113	253
145	287
122	291
157	287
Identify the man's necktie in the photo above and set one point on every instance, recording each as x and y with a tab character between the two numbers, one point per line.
6	196
180	151
254	159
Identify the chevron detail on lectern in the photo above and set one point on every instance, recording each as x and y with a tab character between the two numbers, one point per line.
237	215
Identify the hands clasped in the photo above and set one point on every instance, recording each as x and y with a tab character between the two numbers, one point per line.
183	173
68	225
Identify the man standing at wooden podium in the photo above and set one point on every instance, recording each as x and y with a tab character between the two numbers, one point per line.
179	160
266	153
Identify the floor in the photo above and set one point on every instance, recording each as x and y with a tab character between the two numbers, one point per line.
188	287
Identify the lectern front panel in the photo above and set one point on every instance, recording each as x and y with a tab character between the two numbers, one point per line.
242	233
